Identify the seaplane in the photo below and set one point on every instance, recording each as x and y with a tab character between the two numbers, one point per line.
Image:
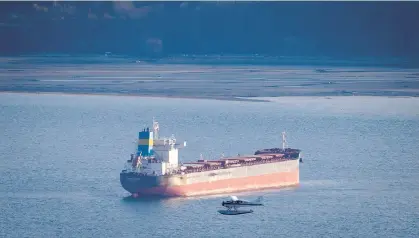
235	203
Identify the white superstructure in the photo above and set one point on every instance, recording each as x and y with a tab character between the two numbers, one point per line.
155	156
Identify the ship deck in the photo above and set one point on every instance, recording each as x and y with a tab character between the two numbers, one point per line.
239	161
197	167
264	156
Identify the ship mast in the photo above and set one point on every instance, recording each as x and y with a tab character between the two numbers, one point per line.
155	129
284	140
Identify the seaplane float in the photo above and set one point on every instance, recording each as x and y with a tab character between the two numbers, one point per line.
235	203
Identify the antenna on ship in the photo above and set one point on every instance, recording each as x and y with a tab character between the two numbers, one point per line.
155	129
284	140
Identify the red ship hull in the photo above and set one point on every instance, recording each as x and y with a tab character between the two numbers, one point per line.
259	182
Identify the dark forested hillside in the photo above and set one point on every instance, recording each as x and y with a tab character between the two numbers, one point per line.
344	29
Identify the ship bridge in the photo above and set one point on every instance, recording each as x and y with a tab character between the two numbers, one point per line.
154	155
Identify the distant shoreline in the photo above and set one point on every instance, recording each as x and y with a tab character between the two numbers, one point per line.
217	60
240	99
244	99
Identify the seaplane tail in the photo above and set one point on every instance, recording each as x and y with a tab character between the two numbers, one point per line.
259	200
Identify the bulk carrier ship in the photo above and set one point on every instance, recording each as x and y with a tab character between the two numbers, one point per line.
155	169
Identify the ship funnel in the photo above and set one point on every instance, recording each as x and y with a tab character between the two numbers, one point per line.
145	143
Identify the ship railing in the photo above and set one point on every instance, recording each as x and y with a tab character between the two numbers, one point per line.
153	161
227	165
166	141
136	173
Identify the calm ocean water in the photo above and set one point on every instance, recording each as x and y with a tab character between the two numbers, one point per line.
61	157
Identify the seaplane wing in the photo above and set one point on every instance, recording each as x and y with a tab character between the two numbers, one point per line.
235	202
